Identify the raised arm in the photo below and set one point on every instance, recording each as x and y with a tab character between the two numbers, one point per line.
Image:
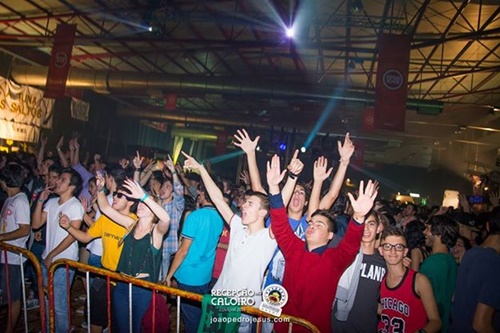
137	192
39	217
212	188
320	173
246	144
345	150
137	161
41	151
62	157
293	170
106	209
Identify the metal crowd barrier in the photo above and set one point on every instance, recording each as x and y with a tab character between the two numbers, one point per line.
154	287
23	253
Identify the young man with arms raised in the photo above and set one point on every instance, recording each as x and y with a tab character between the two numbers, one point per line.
251	244
313	270
407	302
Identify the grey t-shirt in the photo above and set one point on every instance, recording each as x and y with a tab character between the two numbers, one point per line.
363	315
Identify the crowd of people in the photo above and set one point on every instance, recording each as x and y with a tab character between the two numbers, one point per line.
350	262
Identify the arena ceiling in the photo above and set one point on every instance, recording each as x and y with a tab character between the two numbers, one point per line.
230	64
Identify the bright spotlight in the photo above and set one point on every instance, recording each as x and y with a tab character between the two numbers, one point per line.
290	32
282	146
302	149
150	28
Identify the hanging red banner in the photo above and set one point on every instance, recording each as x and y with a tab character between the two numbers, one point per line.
392	81
368	124
221	143
60	60
170	102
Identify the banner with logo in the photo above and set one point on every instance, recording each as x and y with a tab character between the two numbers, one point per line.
23	111
79	109
60	60
392	81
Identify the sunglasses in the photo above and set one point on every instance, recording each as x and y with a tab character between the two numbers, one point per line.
397	247
120	195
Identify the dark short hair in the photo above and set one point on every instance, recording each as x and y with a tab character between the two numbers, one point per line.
393	231
332	223
446	227
118	174
56	168
74	180
13	175
414	234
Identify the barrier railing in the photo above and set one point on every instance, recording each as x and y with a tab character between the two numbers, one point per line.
154	287
23	253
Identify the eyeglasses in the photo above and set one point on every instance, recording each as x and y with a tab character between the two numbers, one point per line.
398	247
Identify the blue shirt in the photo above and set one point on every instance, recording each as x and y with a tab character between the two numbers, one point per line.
203	227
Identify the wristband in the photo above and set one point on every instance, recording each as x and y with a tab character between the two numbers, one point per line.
41	200
138	169
422	330
68	227
291	175
145	197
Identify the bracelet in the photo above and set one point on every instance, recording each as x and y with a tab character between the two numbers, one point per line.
291	175
41	200
344	162
145	197
68	227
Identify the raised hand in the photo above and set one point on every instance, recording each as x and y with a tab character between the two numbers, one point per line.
43	141
99	181
135	189
244	142
274	174
60	143
364	202
190	162
76	144
494	198
295	166
347	149
245	177
71	145
44	195
97	157
320	172
137	160
170	164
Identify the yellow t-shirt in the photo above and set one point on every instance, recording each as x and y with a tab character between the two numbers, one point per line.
110	233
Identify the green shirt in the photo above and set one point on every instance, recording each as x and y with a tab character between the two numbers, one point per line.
441	269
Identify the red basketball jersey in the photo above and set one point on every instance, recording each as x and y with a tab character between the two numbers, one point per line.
402	309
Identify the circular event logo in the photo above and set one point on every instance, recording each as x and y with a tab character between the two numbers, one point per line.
275	295
393	79
61	59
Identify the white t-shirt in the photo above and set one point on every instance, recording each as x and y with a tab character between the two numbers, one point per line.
246	261
15	211
54	233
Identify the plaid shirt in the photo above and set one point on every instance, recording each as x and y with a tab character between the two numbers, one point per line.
174	209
